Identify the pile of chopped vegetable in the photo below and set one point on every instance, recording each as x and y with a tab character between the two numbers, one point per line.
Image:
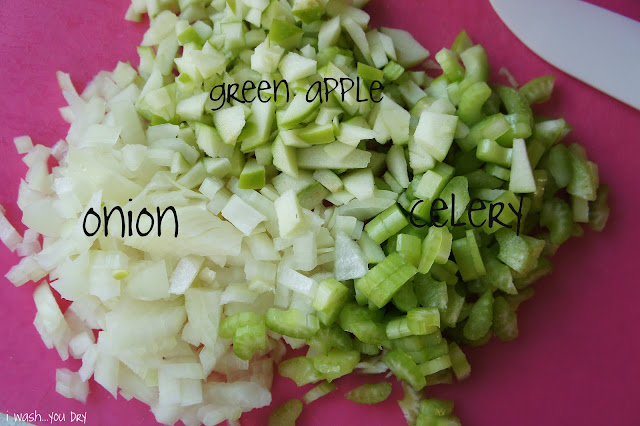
383	233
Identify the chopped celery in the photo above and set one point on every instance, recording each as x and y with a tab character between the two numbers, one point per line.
318	392
300	369
336	363
330	296
292	323
480	318
286	414
371	393
404	368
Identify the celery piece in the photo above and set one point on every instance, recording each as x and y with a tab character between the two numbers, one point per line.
538	90
504	205
557	217
253	176
300	369
521	179
398	327
541	177
551	131
318	392
491	128
465	251
584	180
493	104
417	342
559	165
440	273
404	368
462	42
351	314
459	363
436	407
435	248
386	224
476	66
409	247
505	322
471	101
430	293
336	363
423	320
405	299
287	413
498	274
425	420
370	393
480	317
230	324
437	364
329	299
292	323
519	252
543	267
370	332
450	64
580	209
392	71
483	180
386	278
249	338
331	337
491	152
599	209
365	348
516	299
456	192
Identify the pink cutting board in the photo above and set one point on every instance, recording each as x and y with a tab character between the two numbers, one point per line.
576	360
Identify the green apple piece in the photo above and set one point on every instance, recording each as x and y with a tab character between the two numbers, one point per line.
210	142
316	134
192	108
521	179
253	175
285	34
297	111
190	35
350	104
284	157
359	183
294	67
328	179
355	130
217	167
229	123
396	120
262	118
329	33
308	11
275	11
316	158
435	132
289	213
369	73
409	52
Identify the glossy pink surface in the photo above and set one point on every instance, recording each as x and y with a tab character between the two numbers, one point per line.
576	360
